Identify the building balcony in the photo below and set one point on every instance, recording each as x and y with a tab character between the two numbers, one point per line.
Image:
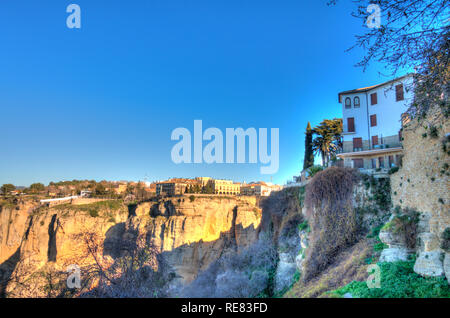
346	132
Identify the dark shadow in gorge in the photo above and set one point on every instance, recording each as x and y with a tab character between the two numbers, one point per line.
52	229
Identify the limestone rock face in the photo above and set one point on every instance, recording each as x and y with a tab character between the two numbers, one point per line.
394	254
447	266
396	250
422	184
287	262
191	235
429	264
13	223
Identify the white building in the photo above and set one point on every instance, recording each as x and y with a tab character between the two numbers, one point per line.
372	120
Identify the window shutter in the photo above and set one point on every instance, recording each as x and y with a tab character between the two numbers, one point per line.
351	124
358	163
357	142
373	99
374	140
399	92
373	120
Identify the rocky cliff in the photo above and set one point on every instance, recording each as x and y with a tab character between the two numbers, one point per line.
188	233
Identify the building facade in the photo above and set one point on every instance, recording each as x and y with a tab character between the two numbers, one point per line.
372	122
170	188
225	187
259	189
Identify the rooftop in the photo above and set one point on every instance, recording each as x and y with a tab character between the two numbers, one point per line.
368	88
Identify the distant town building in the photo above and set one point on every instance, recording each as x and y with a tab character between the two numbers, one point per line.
179	186
225	187
203	181
372	120
120	188
259	188
170	188
85	193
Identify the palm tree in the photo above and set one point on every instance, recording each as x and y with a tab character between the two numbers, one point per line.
328	139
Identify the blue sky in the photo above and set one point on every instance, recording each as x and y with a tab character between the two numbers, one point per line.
101	102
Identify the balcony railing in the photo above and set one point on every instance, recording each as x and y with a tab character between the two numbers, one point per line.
376	147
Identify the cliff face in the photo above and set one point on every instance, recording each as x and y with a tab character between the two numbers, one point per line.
188	234
422	184
191	235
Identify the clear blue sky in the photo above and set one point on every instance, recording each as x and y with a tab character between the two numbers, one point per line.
101	102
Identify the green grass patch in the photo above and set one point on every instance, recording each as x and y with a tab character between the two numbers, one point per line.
303	226
94	209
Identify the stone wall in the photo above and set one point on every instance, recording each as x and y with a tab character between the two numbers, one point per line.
422	184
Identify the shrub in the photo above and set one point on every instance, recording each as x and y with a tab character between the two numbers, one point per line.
446	240
93	213
434	133
192	198
331	217
393	170
405	223
312	171
248	273
303	226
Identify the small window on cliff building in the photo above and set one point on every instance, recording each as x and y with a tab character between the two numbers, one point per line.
373	120
374	140
391	161
399	92
358	163
357	144
373	99
348	103
351	124
381	160
373	163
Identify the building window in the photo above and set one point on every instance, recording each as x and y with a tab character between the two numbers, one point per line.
399	92
374	163
356	102
358	163
391	161
374	140
348	103
357	144
373	120
381	160
373	99
351	124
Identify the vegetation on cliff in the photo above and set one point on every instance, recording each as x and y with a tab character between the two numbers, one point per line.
398	280
331	216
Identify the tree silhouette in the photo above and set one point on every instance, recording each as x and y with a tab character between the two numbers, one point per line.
309	154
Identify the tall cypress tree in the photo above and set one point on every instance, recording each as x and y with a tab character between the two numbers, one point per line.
309	155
